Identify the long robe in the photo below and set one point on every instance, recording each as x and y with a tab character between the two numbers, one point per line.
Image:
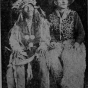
19	41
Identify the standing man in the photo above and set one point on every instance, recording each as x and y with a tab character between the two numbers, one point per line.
67	36
30	31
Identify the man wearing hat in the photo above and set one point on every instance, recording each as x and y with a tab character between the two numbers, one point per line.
68	54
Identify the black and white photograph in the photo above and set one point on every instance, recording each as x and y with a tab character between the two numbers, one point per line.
44	44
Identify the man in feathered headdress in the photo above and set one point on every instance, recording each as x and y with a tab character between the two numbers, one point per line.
29	32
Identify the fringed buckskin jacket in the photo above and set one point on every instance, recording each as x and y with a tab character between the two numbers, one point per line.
24	35
20	33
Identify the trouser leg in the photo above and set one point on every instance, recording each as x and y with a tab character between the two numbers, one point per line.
55	65
10	78
44	73
73	70
20	77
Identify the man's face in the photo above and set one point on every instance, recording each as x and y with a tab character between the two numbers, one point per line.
62	3
29	9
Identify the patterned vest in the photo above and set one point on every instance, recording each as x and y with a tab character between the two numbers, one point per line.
62	28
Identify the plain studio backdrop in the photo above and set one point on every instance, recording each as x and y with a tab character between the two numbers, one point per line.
9	16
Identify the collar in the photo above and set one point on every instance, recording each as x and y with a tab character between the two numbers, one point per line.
64	14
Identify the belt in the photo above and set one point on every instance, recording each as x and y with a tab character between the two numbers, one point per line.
70	41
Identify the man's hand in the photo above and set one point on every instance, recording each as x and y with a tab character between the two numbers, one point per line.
43	46
53	44
42	49
76	45
23	53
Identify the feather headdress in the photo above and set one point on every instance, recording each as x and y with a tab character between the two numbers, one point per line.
19	4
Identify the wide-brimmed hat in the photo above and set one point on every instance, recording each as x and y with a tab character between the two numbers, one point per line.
51	2
70	1
19	4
